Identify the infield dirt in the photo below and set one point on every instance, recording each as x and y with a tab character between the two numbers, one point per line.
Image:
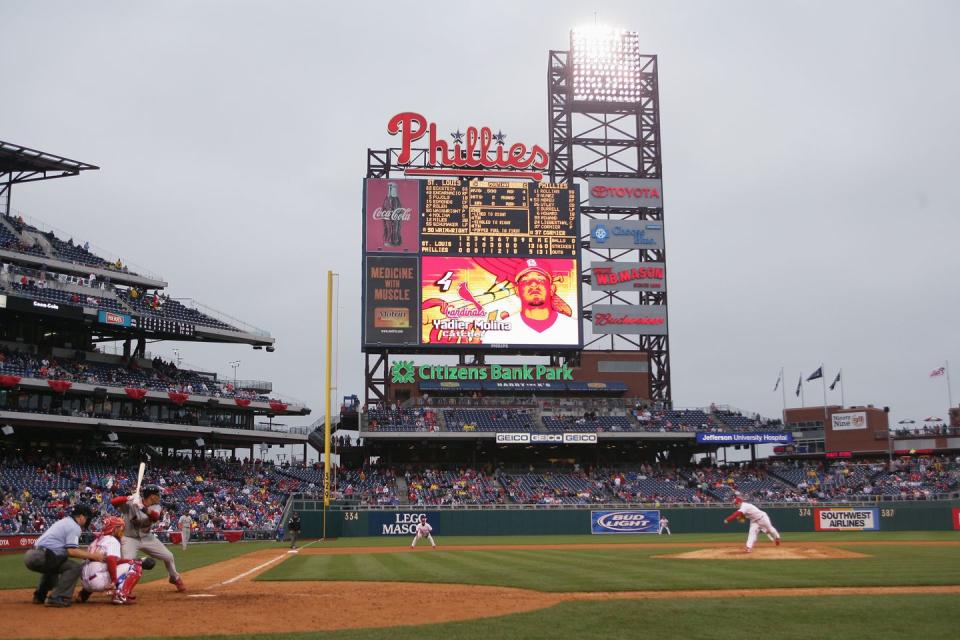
220	601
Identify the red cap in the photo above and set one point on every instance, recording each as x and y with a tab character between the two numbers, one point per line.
737	499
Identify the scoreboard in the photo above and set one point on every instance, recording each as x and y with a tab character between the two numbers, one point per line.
470	264
498	218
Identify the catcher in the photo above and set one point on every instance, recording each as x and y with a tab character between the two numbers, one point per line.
114	576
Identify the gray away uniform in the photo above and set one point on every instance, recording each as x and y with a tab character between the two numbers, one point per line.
137	537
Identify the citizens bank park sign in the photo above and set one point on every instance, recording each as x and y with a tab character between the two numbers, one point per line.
406	372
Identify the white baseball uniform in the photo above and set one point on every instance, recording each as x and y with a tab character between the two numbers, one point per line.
664	526
759	521
423	531
95	575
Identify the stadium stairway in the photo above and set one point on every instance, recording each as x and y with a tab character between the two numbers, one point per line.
36	238
316	440
402	494
441	426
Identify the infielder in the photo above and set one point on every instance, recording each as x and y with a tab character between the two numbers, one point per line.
423	531
664	526
759	521
140	512
184	523
114	575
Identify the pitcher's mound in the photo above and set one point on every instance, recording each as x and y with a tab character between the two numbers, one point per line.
806	552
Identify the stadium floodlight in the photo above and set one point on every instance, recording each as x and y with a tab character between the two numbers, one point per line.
7	430
200	442
112	437
605	65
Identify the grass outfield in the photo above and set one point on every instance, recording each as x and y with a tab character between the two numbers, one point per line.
628	569
902	616
13	575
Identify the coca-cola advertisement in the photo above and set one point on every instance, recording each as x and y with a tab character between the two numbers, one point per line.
392	210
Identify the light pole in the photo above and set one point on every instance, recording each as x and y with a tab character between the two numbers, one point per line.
236	365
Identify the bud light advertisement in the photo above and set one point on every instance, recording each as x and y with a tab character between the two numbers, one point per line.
392	208
627	521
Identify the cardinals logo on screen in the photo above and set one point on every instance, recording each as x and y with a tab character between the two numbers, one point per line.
499	301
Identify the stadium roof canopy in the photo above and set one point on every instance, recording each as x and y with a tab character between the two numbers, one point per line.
23	164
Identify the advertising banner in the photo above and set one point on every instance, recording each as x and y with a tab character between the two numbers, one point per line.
630	193
392	215
628	276
744	438
956	519
627	234
503	302
849	421
846	519
546	438
645	320
17	542
627	521
116	319
393	523
44	307
392	301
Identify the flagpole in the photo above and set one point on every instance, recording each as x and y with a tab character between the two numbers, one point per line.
843	404
949	392
783	392
803	396
823	379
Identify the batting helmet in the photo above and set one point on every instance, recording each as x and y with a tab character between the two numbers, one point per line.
150	490
110	524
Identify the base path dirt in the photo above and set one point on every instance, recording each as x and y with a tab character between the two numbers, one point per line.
223	600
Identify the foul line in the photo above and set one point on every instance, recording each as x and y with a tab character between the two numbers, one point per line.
260	566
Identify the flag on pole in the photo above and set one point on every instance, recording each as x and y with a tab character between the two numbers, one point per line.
779	376
835	381
799	384
816	375
938	372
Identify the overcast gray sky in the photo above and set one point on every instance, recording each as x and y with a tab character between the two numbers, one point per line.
810	157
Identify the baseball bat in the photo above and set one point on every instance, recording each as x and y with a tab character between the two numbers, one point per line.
140	472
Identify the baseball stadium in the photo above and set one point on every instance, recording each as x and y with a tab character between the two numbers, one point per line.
514	466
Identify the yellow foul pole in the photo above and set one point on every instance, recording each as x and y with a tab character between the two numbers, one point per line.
329	385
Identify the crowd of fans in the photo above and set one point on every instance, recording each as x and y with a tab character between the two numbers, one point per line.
222	495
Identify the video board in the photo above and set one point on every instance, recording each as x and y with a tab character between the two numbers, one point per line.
470	264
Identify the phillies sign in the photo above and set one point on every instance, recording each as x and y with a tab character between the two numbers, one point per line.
480	153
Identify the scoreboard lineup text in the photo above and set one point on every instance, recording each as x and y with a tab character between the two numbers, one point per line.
498	219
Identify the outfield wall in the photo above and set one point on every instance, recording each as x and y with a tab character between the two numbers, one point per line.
891	516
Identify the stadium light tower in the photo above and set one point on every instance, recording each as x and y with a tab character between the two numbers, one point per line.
605	65
236	365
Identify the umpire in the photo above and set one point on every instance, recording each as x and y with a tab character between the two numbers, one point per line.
51	555
294	527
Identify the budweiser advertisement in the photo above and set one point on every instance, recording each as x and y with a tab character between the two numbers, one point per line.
392	300
625	193
645	320
627	234
392	209
628	276
501	302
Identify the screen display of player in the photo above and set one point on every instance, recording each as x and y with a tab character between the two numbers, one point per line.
500	302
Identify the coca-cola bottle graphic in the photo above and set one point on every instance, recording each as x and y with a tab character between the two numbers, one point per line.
392	220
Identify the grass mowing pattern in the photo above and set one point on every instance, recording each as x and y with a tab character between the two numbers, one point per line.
894	617
621	569
13	575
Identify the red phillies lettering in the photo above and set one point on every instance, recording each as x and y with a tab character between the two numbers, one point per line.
477	150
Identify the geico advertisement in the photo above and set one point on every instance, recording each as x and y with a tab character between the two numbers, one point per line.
500	301
546	438
399	524
846	519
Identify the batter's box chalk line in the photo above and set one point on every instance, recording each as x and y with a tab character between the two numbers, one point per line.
201	595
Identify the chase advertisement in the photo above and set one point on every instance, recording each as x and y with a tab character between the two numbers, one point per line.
627	234
627	521
502	302
387	523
